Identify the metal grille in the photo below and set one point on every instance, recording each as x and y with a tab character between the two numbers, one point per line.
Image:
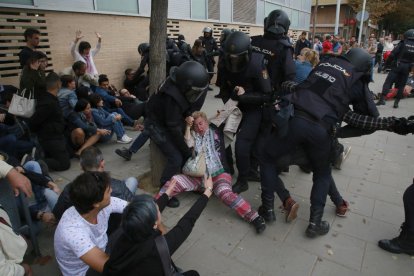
244	11
13	23
214	9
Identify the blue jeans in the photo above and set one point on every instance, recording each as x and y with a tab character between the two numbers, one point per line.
125	118
42	195
132	184
116	128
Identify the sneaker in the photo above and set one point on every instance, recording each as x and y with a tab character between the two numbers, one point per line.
125	139
259	224
267	214
342	209
341	158
124	153
291	209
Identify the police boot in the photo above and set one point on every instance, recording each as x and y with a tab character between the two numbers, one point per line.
266	210
317	227
381	100
396	101
240	186
404	243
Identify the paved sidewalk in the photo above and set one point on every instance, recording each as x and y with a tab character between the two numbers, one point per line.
373	179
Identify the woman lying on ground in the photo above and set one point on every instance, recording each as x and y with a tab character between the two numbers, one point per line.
210	140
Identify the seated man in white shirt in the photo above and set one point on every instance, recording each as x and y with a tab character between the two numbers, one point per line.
80	237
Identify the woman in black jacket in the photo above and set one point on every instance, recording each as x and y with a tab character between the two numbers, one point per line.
136	251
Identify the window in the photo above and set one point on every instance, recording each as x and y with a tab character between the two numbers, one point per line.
124	6
270	7
18	2
198	9
294	19
179	9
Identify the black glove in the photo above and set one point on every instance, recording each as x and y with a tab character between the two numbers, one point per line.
401	126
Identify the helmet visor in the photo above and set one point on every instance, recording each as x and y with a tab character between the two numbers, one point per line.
237	63
195	93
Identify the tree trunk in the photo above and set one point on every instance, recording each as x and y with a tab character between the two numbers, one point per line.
157	72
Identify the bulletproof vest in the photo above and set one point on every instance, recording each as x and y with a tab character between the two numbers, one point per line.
208	43
254	78
274	52
407	52
326	93
155	105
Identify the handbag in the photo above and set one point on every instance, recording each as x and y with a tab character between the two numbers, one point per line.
169	268
195	166
22	106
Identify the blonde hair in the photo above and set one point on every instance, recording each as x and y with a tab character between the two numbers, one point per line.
198	114
310	55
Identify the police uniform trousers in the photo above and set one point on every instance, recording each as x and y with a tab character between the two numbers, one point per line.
246	138
316	142
399	76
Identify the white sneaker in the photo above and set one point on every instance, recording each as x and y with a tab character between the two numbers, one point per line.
124	140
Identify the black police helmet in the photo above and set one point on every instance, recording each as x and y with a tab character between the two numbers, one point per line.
237	50
224	34
192	79
360	59
143	47
207	30
277	22
409	34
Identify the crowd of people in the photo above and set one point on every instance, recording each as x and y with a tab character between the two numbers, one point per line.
291	101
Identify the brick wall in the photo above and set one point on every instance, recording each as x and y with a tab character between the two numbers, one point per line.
120	38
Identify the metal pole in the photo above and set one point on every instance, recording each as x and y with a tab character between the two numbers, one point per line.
362	22
338	10
315	15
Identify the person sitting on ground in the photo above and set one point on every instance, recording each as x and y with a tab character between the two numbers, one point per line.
49	125
45	190
136	84
132	106
80	238
305	62
82	128
109	121
78	72
32	38
13	246
137	249
111	103
33	75
84	52
92	160
66	95
210	141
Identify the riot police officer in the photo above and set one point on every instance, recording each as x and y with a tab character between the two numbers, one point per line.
220	65
276	47
210	44
278	51
319	103
403	57
182	93
245	79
